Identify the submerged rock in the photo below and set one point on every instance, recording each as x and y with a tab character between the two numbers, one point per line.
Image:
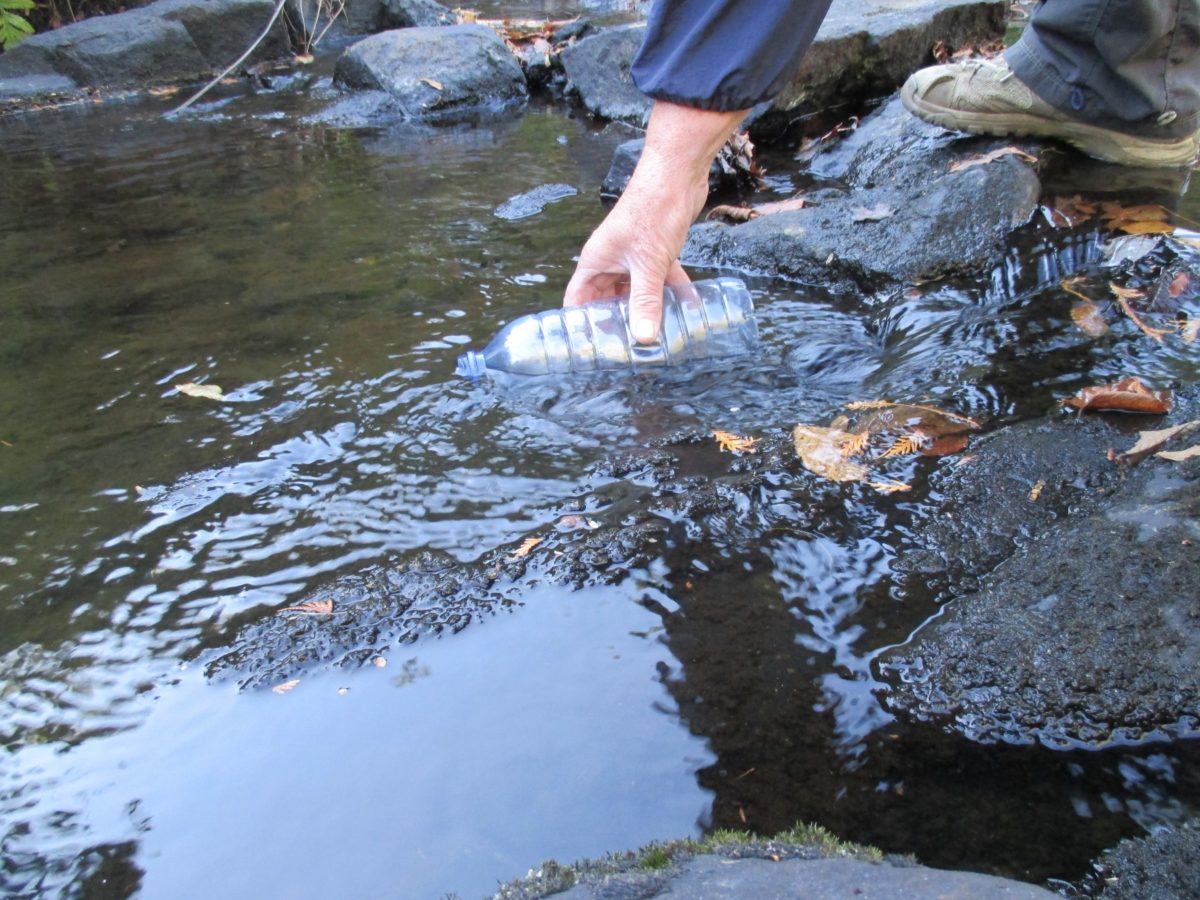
1162	866
533	202
428	73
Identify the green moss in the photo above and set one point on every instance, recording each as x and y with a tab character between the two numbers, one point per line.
655	857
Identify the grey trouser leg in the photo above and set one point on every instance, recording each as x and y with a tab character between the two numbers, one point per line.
1129	65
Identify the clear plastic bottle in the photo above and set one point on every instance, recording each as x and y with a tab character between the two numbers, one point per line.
715	318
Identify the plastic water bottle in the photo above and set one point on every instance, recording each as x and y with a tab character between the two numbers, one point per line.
714	318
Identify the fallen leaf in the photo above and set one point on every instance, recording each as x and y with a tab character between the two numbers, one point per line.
984	158
203	391
1074	210
285	687
1128	248
436	85
1036	491
1150	441
945	445
731	213
1180	455
820	450
1179	283
889	487
526	546
1126	395
1087	315
871	214
313	607
1146	218
733	443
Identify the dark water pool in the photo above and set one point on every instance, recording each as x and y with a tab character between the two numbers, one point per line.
326	280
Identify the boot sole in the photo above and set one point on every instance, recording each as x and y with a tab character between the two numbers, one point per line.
1100	143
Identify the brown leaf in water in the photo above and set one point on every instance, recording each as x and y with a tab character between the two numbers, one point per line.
203	391
820	450
1150	441
527	545
945	445
313	607
1126	395
983	159
1073	210
285	687
1180	455
1179	283
875	213
733	443
1087	315
1145	218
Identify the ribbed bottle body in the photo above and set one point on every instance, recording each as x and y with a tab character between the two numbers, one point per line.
706	319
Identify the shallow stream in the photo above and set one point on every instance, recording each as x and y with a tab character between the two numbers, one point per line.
327	279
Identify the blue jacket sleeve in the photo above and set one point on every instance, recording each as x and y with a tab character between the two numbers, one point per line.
724	54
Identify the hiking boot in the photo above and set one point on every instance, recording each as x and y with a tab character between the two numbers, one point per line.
985	97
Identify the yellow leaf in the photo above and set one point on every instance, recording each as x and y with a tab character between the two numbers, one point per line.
1180	455
1036	491
285	687
890	487
733	443
526	546
203	391
313	607
869	404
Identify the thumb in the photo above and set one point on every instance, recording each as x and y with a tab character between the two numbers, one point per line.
646	305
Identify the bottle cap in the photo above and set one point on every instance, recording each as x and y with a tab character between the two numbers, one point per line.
471	365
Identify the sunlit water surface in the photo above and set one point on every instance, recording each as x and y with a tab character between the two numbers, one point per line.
326	280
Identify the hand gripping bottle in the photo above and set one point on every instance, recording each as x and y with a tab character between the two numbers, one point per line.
714	318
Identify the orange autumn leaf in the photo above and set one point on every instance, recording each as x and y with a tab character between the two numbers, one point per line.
1179	283
733	443
910	443
821	451
1146	218
285	687
1124	295
1126	395
313	607
1074	210
1087	315
983	159
732	213
526	547
889	487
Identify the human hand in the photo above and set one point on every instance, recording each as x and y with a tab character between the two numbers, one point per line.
635	250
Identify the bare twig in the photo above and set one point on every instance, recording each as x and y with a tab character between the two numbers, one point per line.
233	65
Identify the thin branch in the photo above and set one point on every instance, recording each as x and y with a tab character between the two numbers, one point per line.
233	65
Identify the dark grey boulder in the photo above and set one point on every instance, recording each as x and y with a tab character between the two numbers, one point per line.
906	216
414	14
867	48
131	48
431	72
598	68
26	73
223	30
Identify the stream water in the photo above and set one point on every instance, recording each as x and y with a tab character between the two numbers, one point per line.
327	279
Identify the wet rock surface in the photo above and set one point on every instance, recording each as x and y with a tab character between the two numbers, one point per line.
1089	633
1161	866
534	201
167	41
921	221
597	67
428	73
